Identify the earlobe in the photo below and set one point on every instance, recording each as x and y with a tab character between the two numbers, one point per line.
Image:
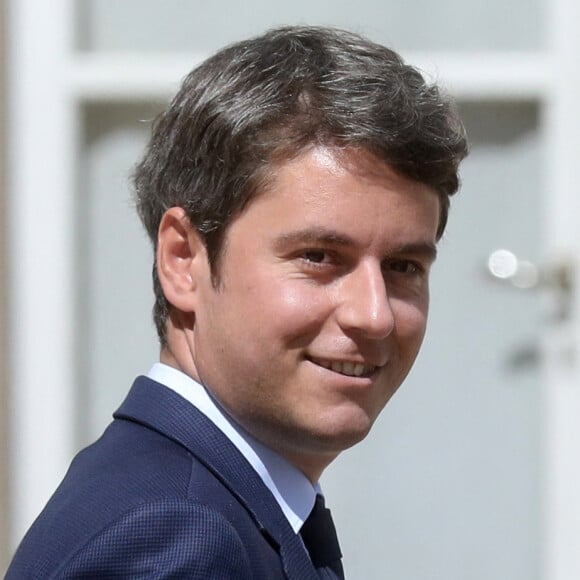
180	250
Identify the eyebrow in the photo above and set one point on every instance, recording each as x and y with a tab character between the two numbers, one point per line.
317	235
426	250
312	236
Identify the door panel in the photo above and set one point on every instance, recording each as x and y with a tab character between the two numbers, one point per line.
116	335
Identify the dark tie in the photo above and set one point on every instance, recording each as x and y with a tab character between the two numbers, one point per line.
319	536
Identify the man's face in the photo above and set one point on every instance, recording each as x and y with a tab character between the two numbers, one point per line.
322	303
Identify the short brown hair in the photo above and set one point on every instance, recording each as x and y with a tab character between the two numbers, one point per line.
263	100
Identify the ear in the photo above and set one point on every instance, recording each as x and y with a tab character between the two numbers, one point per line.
181	259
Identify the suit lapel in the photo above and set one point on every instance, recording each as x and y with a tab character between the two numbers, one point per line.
159	408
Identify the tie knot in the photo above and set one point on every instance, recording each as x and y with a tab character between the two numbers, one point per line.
319	536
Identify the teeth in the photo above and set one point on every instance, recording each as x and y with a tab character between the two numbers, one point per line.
346	368
336	367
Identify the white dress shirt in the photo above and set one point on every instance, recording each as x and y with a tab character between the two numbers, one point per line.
291	488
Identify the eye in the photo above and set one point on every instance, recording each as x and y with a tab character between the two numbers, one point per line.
405	267
315	256
320	261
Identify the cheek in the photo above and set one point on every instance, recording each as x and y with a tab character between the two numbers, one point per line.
411	322
300	311
289	303
267	329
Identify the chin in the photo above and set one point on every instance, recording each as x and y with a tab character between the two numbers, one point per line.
342	433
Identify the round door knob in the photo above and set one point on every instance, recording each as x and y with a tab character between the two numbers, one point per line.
505	265
557	276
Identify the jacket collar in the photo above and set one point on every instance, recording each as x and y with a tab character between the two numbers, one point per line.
159	408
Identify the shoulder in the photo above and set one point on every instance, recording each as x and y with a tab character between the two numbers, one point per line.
137	501
161	539
167	538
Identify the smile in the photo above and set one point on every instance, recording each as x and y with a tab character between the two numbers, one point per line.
350	369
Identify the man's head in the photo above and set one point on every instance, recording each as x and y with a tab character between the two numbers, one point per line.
262	102
295	191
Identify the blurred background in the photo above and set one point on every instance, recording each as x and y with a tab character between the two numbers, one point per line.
472	471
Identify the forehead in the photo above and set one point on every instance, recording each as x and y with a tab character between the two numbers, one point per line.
346	190
321	162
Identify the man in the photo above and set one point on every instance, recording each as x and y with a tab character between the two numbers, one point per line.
294	192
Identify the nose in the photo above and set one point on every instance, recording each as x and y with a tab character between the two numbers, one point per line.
365	308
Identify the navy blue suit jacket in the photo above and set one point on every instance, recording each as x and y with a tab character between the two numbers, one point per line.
162	494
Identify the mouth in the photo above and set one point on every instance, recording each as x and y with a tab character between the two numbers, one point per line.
346	368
